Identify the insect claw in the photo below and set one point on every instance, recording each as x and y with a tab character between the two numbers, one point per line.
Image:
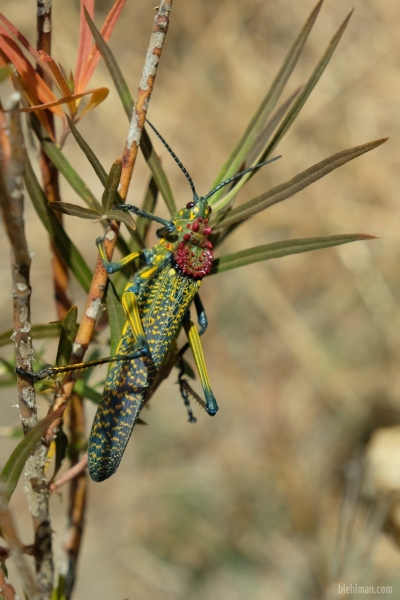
33	376
212	406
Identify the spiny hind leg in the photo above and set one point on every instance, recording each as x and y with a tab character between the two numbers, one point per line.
195	344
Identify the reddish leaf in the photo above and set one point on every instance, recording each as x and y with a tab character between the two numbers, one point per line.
85	43
98	96
22	40
93	57
32	79
58	77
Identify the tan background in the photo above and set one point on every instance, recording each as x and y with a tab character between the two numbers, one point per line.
302	351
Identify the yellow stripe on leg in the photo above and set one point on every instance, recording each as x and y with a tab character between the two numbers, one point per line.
197	349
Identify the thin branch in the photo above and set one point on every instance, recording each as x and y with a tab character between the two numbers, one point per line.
12	153
12	202
16	550
50	175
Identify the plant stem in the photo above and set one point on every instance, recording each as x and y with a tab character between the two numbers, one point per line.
12	154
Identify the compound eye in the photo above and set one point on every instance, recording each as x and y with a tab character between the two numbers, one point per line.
209	210
190	205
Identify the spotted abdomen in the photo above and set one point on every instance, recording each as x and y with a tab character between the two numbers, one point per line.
163	302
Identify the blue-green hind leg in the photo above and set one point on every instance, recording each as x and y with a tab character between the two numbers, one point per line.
183	384
196	347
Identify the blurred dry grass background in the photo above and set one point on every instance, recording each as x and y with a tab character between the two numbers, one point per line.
302	351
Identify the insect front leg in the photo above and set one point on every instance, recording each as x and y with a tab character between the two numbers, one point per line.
196	347
113	267
168	226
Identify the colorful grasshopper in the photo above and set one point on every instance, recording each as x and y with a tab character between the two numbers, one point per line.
156	304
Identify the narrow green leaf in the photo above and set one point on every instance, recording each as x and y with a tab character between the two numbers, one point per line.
87	150
292	186
157	171
239	154
6	72
255	156
127	102
86	391
102	175
291	114
308	88
48	330
59	592
111	187
285	248
14	466
67	249
256	152
74	210
8	366
68	331
112	66
58	159
116	317
123	217
149	204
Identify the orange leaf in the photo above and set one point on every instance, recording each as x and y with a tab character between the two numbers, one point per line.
32	79
98	95
93	57
59	79
57	75
85	42
22	40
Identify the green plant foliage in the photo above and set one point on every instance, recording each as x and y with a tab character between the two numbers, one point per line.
14	466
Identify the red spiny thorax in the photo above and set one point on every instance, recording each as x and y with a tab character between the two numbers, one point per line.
193	254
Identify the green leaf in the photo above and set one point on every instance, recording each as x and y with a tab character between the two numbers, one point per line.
59	592
68	331
86	149
65	246
149	204
74	210
86	391
256	152
292	186
61	163
14	466
127	102
48	330
102	175
285	248
123	217
157	171
243	147
112	66
308	88
6	72
291	114
108	199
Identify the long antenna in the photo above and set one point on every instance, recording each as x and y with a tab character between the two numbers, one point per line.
224	183
176	159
